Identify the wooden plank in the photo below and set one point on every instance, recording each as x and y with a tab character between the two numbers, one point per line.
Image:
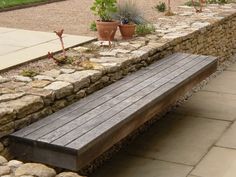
99	95
134	85
112	106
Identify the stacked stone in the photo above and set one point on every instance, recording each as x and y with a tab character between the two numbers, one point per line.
24	100
15	168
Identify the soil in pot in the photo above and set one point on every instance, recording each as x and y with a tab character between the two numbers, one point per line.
106	30
127	30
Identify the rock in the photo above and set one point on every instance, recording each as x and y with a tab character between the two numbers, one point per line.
14	163
22	78
34	169
10	96
60	88
68	174
43	77
67	71
25	105
39	83
111	53
3	79
3	160
199	24
80	79
4	170
7	115
81	49
102	43
52	73
80	94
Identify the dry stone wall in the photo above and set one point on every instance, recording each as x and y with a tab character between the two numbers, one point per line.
24	100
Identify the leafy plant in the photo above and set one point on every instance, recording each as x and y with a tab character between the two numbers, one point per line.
93	26
128	12
104	9
29	73
144	29
161	7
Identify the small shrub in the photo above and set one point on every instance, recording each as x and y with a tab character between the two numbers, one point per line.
161	7
217	1
190	3
93	26
29	73
144	29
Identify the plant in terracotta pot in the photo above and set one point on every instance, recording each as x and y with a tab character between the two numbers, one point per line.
129	15
106	26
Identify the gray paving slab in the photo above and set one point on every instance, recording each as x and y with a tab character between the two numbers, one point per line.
210	105
223	83
129	166
219	162
19	46
180	139
228	139
232	67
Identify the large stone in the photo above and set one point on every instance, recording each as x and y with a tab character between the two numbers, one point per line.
68	174
3	79
80	79
22	78
6	129
39	83
4	170
6	115
10	96
14	164
37	170
52	73
60	88
43	77
25	105
3	160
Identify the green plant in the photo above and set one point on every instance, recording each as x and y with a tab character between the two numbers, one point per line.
144	29
29	73
128	12
161	7
217	1
93	26
104	9
190	3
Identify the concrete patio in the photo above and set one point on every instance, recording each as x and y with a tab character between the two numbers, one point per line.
197	140
18	46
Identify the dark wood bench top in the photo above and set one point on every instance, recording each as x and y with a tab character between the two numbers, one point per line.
81	132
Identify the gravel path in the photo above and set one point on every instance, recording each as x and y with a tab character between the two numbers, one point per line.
72	15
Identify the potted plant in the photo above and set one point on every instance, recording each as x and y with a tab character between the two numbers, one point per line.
106	26
129	15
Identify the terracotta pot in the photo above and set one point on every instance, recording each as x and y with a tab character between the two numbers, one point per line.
127	30
106	30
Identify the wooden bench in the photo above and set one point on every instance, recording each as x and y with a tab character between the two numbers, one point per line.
76	135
